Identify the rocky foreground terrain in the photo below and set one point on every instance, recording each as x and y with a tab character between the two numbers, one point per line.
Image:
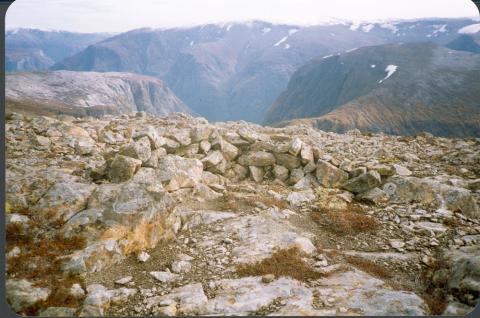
141	215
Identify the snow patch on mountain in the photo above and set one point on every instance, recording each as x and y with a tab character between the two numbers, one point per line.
355	26
367	28
266	30
390	69
292	31
470	29
281	41
390	26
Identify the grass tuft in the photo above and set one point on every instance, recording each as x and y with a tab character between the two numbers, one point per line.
286	262
41	260
369	267
351	220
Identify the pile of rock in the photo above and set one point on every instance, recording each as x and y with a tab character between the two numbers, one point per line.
116	180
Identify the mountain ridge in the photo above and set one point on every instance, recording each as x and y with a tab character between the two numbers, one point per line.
355	90
235	71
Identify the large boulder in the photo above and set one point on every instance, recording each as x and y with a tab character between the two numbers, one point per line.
295	146
306	154
258	159
174	168
140	149
257	173
123	168
149	131
182	136
212	159
200	133
280	172
63	200
330	176
229	151
364	182
375	196
288	161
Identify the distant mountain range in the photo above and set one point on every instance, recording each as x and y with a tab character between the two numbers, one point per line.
90	93
32	49
396	88
236	71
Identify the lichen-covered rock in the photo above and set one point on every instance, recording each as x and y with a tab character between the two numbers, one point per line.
330	176
171	166
295	146
58	312
257	159
63	200
375	196
297	198
140	149
149	131
123	168
189	299
84	146
364	182
306	154
21	293
280	172
431	191
288	161
256	173
212	159
164	277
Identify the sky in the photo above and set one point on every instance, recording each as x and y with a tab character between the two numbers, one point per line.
124	15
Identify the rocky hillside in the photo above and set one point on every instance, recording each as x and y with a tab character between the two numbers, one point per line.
177	216
89	93
397	88
33	49
237	70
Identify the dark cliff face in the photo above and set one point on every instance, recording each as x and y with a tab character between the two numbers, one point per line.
236	71
398	89
91	93
466	42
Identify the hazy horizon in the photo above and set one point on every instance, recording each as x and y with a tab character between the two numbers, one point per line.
120	16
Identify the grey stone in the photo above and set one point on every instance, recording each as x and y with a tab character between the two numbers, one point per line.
364	182
140	149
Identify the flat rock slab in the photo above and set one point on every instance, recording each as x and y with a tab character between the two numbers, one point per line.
353	292
190	218
381	255
258	237
363	294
